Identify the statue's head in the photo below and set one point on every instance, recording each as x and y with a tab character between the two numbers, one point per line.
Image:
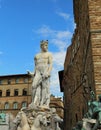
53	110
44	45
43	42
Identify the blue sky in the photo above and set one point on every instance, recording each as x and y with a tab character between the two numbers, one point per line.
23	24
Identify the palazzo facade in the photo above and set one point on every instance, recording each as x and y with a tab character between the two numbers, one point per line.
82	66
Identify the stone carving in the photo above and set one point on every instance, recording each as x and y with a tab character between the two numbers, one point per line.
2	117
23	122
88	123
40	119
41	76
55	120
38	115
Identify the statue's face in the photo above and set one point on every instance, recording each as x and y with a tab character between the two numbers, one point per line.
44	47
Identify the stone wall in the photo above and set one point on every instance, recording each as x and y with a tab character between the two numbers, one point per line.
95	14
9	84
82	63
95	30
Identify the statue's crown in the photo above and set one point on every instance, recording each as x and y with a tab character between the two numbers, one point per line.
43	42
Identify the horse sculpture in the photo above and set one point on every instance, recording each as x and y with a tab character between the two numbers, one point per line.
39	121
87	123
23	125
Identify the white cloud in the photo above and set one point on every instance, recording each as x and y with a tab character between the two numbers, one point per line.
58	38
61	39
63	15
63	34
74	25
60	43
58	58
58	64
45	31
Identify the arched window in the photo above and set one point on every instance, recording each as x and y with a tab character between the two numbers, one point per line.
24	104
0	93
6	105
24	93
16	92
8	92
15	105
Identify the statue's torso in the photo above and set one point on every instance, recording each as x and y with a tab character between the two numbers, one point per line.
42	61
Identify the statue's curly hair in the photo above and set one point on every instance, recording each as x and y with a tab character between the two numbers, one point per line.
43	42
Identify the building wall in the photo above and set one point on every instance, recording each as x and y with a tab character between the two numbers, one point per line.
95	30
11	89
20	82
58	104
83	61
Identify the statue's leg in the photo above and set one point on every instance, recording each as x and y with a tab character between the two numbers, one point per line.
37	96
33	94
45	100
48	93
43	93
36	86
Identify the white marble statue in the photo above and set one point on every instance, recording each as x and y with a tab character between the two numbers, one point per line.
39	121
41	76
38	115
87	123
55	120
23	125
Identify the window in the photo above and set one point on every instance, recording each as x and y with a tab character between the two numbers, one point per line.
6	105
17	81
26	80
1	82
24	104
9	81
8	92
15	105
16	92
76	116
24	92
0	93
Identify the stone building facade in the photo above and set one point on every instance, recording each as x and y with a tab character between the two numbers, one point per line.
58	104
15	93
82	66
